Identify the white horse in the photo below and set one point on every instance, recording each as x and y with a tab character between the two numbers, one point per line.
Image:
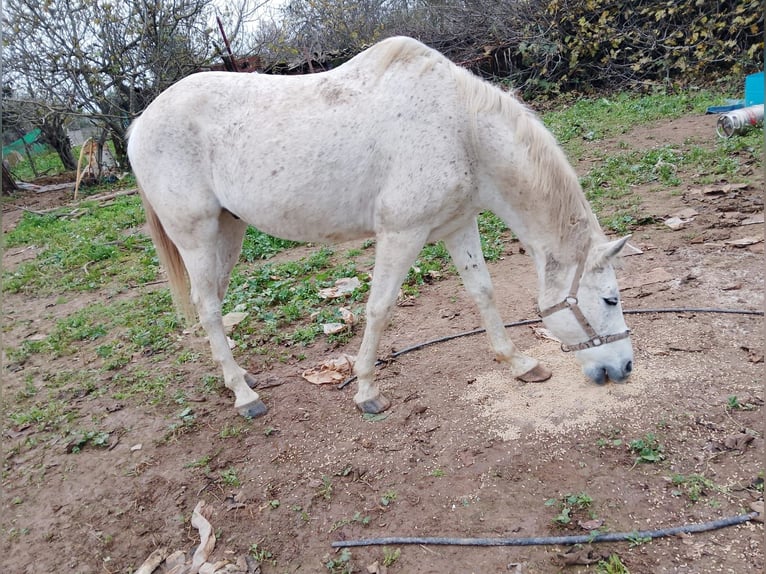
400	144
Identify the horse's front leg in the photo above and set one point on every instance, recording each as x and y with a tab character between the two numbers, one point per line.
394	253
464	247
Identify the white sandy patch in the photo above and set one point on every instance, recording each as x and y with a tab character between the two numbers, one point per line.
568	400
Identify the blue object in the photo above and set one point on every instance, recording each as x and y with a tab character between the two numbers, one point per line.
727	107
754	89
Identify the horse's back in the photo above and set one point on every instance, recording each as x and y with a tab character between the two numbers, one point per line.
317	157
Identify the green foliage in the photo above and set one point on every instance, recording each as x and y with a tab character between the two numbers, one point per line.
605	42
569	504
612	565
647	449
81	248
341	563
694	486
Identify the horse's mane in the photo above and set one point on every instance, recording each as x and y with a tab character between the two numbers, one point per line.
550	174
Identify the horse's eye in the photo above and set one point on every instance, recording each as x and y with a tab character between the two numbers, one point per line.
611	300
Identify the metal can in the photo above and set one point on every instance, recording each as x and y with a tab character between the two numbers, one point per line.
739	121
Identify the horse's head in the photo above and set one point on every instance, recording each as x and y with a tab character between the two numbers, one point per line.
581	306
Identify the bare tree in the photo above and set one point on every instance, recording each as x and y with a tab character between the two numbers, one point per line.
101	59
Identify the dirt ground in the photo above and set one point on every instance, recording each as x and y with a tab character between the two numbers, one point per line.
465	450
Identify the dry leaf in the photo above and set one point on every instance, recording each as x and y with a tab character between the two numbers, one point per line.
580	556
743	242
153	561
332	328
752	220
543	333
347	316
206	535
757	506
331	370
342	288
231	320
591	524
737	441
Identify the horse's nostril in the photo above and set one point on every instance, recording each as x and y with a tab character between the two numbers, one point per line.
628	367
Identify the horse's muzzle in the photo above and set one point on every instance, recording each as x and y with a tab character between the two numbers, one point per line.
600	375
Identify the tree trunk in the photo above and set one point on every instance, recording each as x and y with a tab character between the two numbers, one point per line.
8	184
55	135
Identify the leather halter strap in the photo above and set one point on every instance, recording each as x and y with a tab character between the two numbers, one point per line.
571	303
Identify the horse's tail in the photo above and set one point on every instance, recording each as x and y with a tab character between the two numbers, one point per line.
171	260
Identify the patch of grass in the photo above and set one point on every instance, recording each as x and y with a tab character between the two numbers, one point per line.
49	415
388	498
693	486
612	565
356	519
95	438
258	246
390	555
339	564
230	478
569	504
83	249
599	118
261	554
325	491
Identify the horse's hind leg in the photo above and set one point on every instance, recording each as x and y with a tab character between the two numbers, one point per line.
394	253
464	247
209	263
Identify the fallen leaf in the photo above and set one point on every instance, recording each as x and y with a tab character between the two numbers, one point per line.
743	242
376	568
347	316
206	535
580	556
231	320
332	328
330	370
342	288
737	441
591	524
153	561
752	220
675	223
757	506
543	333
688	213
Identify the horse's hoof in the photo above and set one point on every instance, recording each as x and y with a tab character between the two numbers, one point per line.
374	406
538	374
253	410
250	380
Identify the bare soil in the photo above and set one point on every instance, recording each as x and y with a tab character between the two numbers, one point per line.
465	450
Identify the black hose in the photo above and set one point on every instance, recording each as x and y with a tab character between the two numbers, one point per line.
552	540
538	320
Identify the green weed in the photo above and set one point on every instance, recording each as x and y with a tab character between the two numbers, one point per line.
261	554
694	486
647	449
230	478
341	564
388	497
612	565
390	555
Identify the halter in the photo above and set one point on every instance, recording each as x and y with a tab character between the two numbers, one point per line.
570	302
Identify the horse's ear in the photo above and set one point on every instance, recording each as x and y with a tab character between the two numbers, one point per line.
604	253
